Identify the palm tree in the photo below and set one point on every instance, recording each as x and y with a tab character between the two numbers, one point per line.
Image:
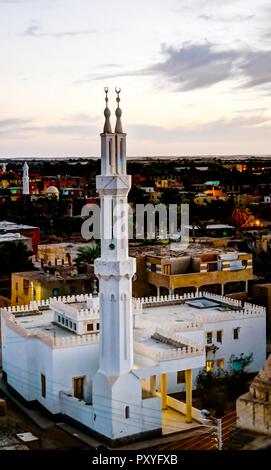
87	254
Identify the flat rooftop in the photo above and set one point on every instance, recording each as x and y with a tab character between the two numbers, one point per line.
190	310
172	250
165	315
47	277
11	226
44	322
12	237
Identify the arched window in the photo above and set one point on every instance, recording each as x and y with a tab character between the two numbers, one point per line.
121	151
110	152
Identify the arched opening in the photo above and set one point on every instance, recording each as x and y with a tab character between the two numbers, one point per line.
164	291
152	290
211	288
234	287
121	155
127	412
68	259
185	290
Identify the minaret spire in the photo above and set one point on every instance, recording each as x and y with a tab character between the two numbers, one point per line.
107	114
118	128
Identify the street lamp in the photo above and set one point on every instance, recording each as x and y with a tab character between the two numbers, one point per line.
217	425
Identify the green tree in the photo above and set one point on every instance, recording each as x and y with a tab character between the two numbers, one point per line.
87	255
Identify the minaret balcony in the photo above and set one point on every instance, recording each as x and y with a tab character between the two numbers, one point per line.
121	268
115	184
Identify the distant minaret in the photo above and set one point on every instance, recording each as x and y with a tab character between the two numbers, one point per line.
25	179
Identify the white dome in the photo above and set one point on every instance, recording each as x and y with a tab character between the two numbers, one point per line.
52	190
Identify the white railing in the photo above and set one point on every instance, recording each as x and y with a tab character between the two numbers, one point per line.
75	340
34	305
247	309
180	339
71	312
165	354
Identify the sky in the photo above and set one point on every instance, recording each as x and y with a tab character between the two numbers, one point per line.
195	76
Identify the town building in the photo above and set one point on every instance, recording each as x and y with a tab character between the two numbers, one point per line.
7	227
262	296
58	253
199	268
16	238
254	408
29	286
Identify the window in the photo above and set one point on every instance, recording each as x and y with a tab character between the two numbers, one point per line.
58	318
43	385
90	327
26	286
110	152
66	322
180	377
16	286
34	294
74	327
97	326
70	324
209	337
219	336
167	269
62	320
127	412
235	333
153	267
78	387
220	363
56	292
209	366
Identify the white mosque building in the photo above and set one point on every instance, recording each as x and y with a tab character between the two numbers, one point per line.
109	362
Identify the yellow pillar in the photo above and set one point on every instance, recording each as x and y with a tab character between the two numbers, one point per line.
153	384
163	380
188	387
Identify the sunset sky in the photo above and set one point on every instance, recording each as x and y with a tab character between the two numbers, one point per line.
195	75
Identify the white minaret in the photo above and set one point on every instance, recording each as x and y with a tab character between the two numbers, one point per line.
117	392
114	269
25	179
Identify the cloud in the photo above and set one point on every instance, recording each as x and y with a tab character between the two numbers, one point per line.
70	129
257	68
12	122
34	30
195	66
225	19
239	129
80	126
